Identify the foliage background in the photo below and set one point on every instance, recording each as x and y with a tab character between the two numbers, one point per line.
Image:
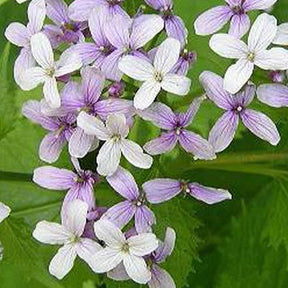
236	244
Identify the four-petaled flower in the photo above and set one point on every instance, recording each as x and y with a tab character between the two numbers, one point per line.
4	211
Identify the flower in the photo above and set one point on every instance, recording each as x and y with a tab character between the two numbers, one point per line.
4	211
164	189
20	35
48	70
281	37
174	25
184	62
114	134
160	277
60	128
128	37
64	30
80	184
174	126
156	76
235	11
262	34
118	250
122	181
275	95
235	107
69	235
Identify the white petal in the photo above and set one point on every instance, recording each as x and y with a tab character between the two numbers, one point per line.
167	55
237	75
63	261
76	217
4	211
51	233
137	269
136	68
282	35
68	64
135	155
116	125
32	77
42	51
86	248
36	15
92	126
17	34
273	59
228	46
108	158
262	32
50	92
142	244
146	94
106	260
109	233
176	84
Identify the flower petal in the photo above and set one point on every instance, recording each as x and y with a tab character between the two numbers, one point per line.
281	37
117	125
261	125
275	95
175	28
68	63
118	273
239	25
273	59
36	15
258	4
160	278
176	84
32	77
50	92
17	34
142	244
87	248
4	211
144	219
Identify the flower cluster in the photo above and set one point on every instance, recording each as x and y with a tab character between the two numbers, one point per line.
100	68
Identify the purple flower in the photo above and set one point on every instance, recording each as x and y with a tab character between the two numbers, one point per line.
277	76
128	37
20	35
174	126
116	89
60	129
80	10
235	107
65	30
86	97
184	63
79	184
275	95
161	190
174	25
214	19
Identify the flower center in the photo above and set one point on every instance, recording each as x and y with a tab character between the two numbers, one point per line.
116	137
125	247
50	72
158	76
251	56
178	131
238	10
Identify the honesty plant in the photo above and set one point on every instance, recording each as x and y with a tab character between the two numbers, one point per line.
102	69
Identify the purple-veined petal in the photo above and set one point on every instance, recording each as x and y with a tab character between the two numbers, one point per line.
111	65
17	34
80	10
239	25
175	28
54	178
258	4
122	181
223	132
207	194
176	84
51	93
261	125
161	190
68	63
118	273
117	125
88	52
163	144
159	4
160	278
144	219
275	95
36	15
245	96
212	20
195	144
57	11
142	244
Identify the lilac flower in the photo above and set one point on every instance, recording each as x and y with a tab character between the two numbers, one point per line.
235	107
184	63
281	37
277	76
160	277
95	52
86	97
261	35
80	10
275	95
156	76
79	183
235	11
119	250
134	206
49	70
60	130
160	190
128	37
174	126
174	25
68	234
114	133
116	89
4	211
20	35
64	30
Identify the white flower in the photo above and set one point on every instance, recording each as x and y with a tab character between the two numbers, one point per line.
261	36
114	134
69	235
4	211
49	69
119	250
156	76
282	35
